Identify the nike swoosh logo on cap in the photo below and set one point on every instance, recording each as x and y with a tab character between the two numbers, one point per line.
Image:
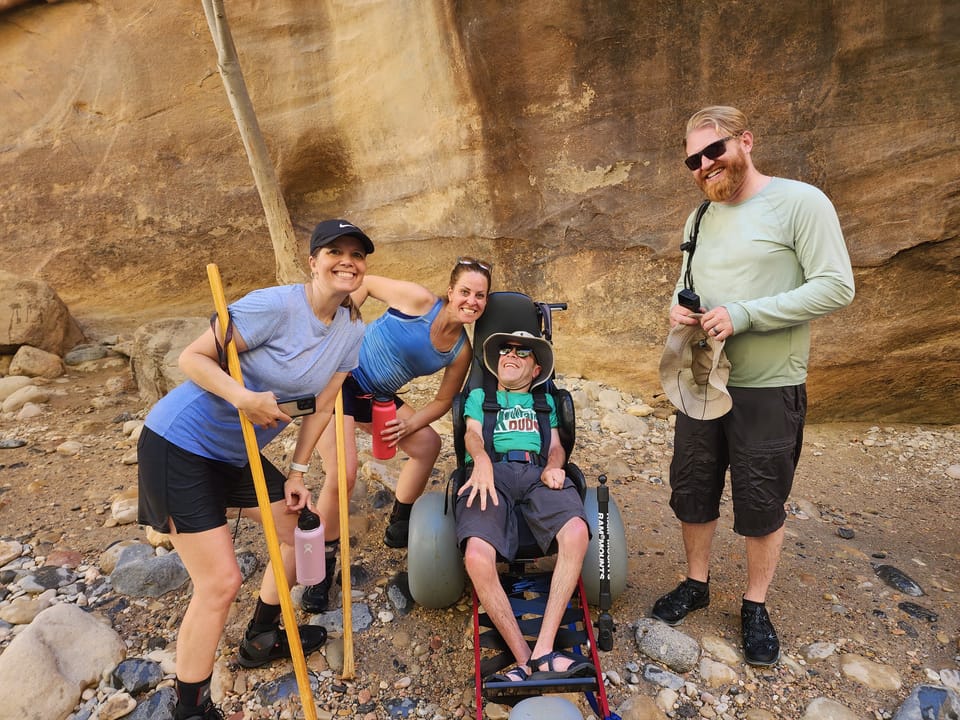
343	225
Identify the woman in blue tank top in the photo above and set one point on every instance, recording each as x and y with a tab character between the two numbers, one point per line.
417	336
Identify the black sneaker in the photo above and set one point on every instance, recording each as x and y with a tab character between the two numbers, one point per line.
271	645
396	534
673	607
760	643
208	711
316	598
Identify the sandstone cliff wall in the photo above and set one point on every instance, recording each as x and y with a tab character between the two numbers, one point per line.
543	135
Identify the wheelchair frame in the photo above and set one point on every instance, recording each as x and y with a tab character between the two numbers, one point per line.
527	593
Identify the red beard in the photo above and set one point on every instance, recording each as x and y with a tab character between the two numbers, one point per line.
735	172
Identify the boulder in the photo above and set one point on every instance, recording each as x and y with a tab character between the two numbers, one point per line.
34	362
12	383
156	348
31	313
46	667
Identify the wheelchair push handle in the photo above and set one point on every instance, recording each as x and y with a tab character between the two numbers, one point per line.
545	311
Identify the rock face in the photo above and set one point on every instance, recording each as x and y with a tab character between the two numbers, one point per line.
543	136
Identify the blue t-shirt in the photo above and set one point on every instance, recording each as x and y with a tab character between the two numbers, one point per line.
516	427
397	348
289	352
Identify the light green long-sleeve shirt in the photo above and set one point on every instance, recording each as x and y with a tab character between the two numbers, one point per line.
776	261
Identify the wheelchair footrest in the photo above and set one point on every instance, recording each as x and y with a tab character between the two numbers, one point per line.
495	691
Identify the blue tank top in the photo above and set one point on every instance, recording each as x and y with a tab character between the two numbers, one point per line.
396	348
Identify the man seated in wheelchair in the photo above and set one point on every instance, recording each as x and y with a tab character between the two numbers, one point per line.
518	472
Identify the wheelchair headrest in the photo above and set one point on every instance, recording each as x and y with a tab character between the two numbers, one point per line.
506	312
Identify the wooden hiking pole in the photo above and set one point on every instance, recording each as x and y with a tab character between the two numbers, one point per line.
348	671
263	500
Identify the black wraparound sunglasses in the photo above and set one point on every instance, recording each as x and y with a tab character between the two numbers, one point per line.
711	152
518	350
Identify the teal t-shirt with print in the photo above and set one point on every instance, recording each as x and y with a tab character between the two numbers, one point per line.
516	427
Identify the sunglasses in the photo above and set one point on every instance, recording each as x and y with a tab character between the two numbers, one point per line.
518	350
711	152
473	262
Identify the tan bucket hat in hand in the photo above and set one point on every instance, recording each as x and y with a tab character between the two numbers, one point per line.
694	372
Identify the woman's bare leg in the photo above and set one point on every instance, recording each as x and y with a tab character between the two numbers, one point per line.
210	560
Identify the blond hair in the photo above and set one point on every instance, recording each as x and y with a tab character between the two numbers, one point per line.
353	308
724	119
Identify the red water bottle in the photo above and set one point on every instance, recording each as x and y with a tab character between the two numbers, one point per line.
309	549
384	410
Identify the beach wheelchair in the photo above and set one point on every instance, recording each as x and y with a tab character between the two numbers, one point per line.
435	566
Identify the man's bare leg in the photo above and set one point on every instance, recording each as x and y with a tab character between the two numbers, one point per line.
480	559
763	554
697	541
572	541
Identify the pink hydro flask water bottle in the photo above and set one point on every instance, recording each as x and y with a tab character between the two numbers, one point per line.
308	544
384	410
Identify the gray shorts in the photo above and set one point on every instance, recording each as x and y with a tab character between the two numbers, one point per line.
759	440
519	489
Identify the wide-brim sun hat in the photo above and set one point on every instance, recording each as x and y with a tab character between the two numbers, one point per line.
694	372
542	350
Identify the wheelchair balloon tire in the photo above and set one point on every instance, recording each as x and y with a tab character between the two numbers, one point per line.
617	545
434	564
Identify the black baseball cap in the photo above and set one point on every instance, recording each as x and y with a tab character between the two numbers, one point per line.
329	230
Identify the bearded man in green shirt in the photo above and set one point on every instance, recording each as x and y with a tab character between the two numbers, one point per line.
767	258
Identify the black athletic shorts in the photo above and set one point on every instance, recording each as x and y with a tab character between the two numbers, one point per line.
759	440
193	490
358	403
545	510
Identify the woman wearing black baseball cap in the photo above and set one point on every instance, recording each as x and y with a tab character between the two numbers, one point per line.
293	341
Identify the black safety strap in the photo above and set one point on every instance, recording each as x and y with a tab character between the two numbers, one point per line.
690	245
543	422
227	337
491	407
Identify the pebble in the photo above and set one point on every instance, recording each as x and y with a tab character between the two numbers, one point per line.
826	709
869	673
898	580
70	447
919	612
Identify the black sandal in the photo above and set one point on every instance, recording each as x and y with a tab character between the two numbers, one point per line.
271	645
579	667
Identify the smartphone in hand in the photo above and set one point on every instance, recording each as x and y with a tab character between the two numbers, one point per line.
295	407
